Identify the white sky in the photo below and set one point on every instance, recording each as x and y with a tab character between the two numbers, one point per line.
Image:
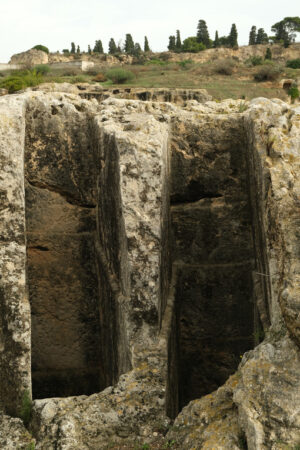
55	23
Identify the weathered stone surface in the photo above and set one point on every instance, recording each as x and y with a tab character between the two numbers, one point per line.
211	422
96	91
107	171
30	58
15	374
268	394
13	434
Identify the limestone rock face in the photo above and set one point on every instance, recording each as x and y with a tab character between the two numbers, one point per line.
13	434
87	91
279	53
30	58
149	272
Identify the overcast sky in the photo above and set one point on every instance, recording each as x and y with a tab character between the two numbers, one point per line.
55	23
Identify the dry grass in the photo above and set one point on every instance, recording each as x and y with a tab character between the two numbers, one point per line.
236	80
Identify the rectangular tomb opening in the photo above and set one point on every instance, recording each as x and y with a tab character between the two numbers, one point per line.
213	256
61	262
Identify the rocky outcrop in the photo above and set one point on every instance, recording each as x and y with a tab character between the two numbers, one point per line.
13	434
100	93
279	53
150	257
30	58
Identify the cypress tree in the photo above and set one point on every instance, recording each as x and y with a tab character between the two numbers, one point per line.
233	35
178	44
202	34
89	50
112	48
98	48
216	41
72	47
172	43
252	35
137	50
129	44
268	54
146	45
78	49
262	37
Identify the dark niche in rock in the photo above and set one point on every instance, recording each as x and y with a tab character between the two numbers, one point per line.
213	258
74	335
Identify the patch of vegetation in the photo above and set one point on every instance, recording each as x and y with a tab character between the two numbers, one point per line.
185	64
268	72
100	77
169	443
224	66
31	446
26	408
42	69
192	45
155	62
145	446
78	79
294	93
268	55
20	80
119	76
42	48
293	63
255	61
243	107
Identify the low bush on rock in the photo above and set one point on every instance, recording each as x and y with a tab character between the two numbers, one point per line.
293	63
43	48
42	69
268	72
100	77
294	93
224	66
119	76
21	80
254	61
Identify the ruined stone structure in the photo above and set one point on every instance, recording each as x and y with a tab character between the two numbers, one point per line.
149	264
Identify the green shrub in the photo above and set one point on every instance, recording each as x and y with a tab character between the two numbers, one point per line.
255	61
155	62
30	446
42	69
42	48
184	64
224	66
20	79
78	79
26	408
268	72
268	54
293	63
192	45
119	76
294	93
13	84
70	71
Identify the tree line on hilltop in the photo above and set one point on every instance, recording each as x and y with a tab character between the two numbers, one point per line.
284	33
130	47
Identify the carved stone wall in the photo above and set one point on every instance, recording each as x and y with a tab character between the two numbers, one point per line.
145	246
